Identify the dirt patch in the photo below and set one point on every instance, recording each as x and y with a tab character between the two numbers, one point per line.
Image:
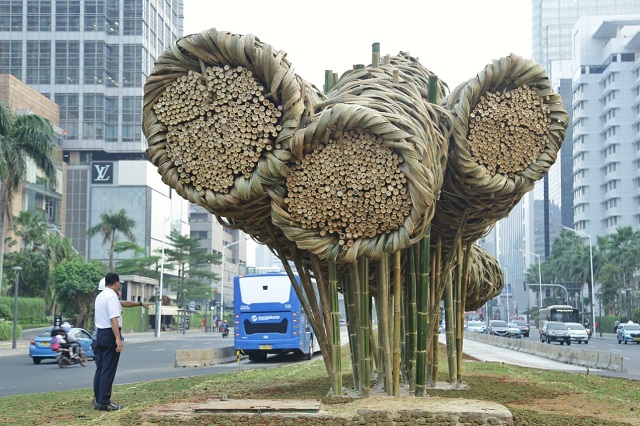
574	406
336	411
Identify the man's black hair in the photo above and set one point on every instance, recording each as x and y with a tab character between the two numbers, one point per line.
111	278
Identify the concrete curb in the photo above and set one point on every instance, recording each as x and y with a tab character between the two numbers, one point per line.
204	357
565	354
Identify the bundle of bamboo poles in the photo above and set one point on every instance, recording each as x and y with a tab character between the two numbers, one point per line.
508	127
369	165
219	113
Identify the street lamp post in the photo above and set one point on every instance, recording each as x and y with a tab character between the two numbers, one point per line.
17	269
157	333
184	310
507	285
593	313
224	249
539	276
159	310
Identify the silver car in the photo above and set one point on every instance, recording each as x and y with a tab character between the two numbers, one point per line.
578	333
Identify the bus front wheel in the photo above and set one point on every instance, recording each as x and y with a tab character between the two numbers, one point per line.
310	354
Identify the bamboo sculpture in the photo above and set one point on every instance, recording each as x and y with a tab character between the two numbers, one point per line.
377	189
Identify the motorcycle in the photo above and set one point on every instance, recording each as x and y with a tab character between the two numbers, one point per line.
64	359
225	332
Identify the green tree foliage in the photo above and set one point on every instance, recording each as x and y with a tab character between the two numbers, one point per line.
31	230
110	225
57	250
21	137
192	264
33	276
140	264
75	283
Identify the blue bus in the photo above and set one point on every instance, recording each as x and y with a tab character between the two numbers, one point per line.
268	317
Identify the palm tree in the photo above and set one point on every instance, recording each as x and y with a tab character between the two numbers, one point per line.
21	137
110	224
57	250
31	229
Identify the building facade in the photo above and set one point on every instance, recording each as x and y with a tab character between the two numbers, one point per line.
91	57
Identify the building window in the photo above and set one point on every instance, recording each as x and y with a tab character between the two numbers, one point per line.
11	57
38	62
39	15
11	15
131	118
67	62
132	17
113	17
113	65
94	17
69	113
132	61
68	15
93	116
94	62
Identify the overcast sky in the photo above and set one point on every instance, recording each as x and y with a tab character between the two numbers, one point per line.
455	39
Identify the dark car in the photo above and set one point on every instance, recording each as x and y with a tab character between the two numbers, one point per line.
498	328
555	331
40	346
524	327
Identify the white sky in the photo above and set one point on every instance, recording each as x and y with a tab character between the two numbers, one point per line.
455	39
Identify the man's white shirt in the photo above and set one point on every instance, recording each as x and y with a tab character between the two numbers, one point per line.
107	306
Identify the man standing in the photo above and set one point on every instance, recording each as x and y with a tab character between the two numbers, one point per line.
108	345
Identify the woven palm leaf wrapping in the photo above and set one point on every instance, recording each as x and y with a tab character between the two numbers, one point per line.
508	126
369	166
485	279
220	110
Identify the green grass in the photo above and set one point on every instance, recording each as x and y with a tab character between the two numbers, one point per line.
535	397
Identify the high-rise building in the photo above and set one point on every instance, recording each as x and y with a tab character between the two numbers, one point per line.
556	201
91	57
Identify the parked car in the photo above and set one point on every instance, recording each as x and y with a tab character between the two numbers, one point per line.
498	327
40	346
524	327
513	330
628	333
555	331
578	333
476	327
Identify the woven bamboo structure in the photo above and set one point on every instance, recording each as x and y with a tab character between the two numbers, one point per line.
220	110
377	189
508	126
369	165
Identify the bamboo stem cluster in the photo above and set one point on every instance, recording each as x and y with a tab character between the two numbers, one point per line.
507	131
370	200
218	125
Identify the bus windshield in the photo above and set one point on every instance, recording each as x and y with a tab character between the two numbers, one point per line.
560	313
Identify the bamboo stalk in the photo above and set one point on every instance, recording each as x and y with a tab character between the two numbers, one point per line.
450	326
411	317
397	294
422	314
361	278
335	328
383	321
352	326
463	296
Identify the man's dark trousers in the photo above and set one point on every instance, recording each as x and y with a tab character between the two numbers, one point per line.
106	359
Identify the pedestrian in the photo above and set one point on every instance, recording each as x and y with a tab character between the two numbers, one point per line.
204	324
108	345
615	326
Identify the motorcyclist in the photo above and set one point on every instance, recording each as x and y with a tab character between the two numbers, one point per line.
72	342
224	329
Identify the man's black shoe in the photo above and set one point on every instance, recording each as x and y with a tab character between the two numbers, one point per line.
108	407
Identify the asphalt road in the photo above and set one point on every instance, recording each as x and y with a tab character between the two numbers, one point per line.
148	358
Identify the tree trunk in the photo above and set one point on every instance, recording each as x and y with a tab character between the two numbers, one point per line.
2	222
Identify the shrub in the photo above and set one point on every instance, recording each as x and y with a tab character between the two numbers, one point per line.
6	330
5	312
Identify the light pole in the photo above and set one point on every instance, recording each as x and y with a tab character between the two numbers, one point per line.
164	236
539	276
506	281
224	249
17	270
157	329
593	311
184	310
